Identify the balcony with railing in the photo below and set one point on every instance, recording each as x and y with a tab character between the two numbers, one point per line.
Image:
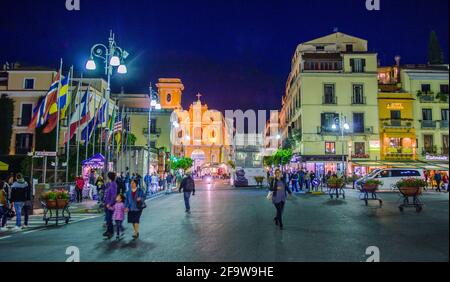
329	100
153	131
322	62
359	100
443	124
427	98
399	153
23	122
429	151
428	124
397	124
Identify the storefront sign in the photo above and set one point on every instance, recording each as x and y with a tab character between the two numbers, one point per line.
436	158
45	154
395	106
361	156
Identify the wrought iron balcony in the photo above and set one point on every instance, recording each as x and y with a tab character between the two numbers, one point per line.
429	151
329	100
153	131
23	122
359	100
427	98
397	123
428	124
399	153
444	124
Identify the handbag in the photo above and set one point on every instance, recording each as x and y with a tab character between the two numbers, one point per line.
140	204
270	196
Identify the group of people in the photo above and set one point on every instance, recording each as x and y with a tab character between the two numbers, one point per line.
438	180
299	180
16	196
119	200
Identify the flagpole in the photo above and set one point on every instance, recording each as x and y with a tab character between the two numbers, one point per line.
95	124
80	84
121	139
112	132
68	124
57	122
101	126
86	141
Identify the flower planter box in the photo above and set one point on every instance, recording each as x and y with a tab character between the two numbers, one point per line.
370	188
51	204
411	191
61	204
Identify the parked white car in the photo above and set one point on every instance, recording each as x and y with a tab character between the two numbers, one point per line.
391	176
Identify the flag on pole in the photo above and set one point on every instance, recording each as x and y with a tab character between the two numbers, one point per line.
80	116
64	100
41	111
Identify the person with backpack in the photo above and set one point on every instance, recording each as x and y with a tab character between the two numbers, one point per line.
19	196
188	187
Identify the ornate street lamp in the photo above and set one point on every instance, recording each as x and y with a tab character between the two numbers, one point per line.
112	56
342	124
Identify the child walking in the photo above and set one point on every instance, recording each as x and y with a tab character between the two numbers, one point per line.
119	214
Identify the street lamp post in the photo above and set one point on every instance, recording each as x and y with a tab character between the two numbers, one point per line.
343	125
112	56
154	103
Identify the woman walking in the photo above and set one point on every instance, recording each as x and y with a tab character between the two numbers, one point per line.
279	188
135	203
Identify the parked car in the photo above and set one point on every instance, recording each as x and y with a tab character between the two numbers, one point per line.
390	176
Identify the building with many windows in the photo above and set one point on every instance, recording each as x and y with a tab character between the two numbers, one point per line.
333	81
429	85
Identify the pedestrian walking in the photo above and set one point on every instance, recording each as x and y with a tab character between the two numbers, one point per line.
301	178
79	185
4	206
445	182
20	191
155	183
169	181
438	179
294	181
100	184
109	201
135	204
307	180
119	214
187	186
279	188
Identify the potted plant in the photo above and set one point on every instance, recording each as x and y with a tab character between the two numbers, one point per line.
50	199
335	182
371	185
419	93
62	199
259	180
411	187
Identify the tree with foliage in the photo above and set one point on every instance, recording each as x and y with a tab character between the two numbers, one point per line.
6	120
282	157
268	161
232	164
182	163
435	53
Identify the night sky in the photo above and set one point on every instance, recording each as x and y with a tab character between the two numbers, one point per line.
237	53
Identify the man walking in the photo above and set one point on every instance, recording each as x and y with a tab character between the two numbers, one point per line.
438	179
188	187
294	181
20	191
109	201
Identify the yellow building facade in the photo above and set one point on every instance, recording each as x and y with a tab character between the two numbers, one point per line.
332	77
202	135
397	132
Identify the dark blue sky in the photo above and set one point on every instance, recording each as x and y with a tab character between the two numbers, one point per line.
237	53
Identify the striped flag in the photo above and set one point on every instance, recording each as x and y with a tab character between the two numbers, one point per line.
40	115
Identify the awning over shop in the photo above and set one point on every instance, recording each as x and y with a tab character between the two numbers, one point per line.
4	167
97	161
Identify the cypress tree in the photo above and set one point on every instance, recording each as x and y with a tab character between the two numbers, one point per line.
435	53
